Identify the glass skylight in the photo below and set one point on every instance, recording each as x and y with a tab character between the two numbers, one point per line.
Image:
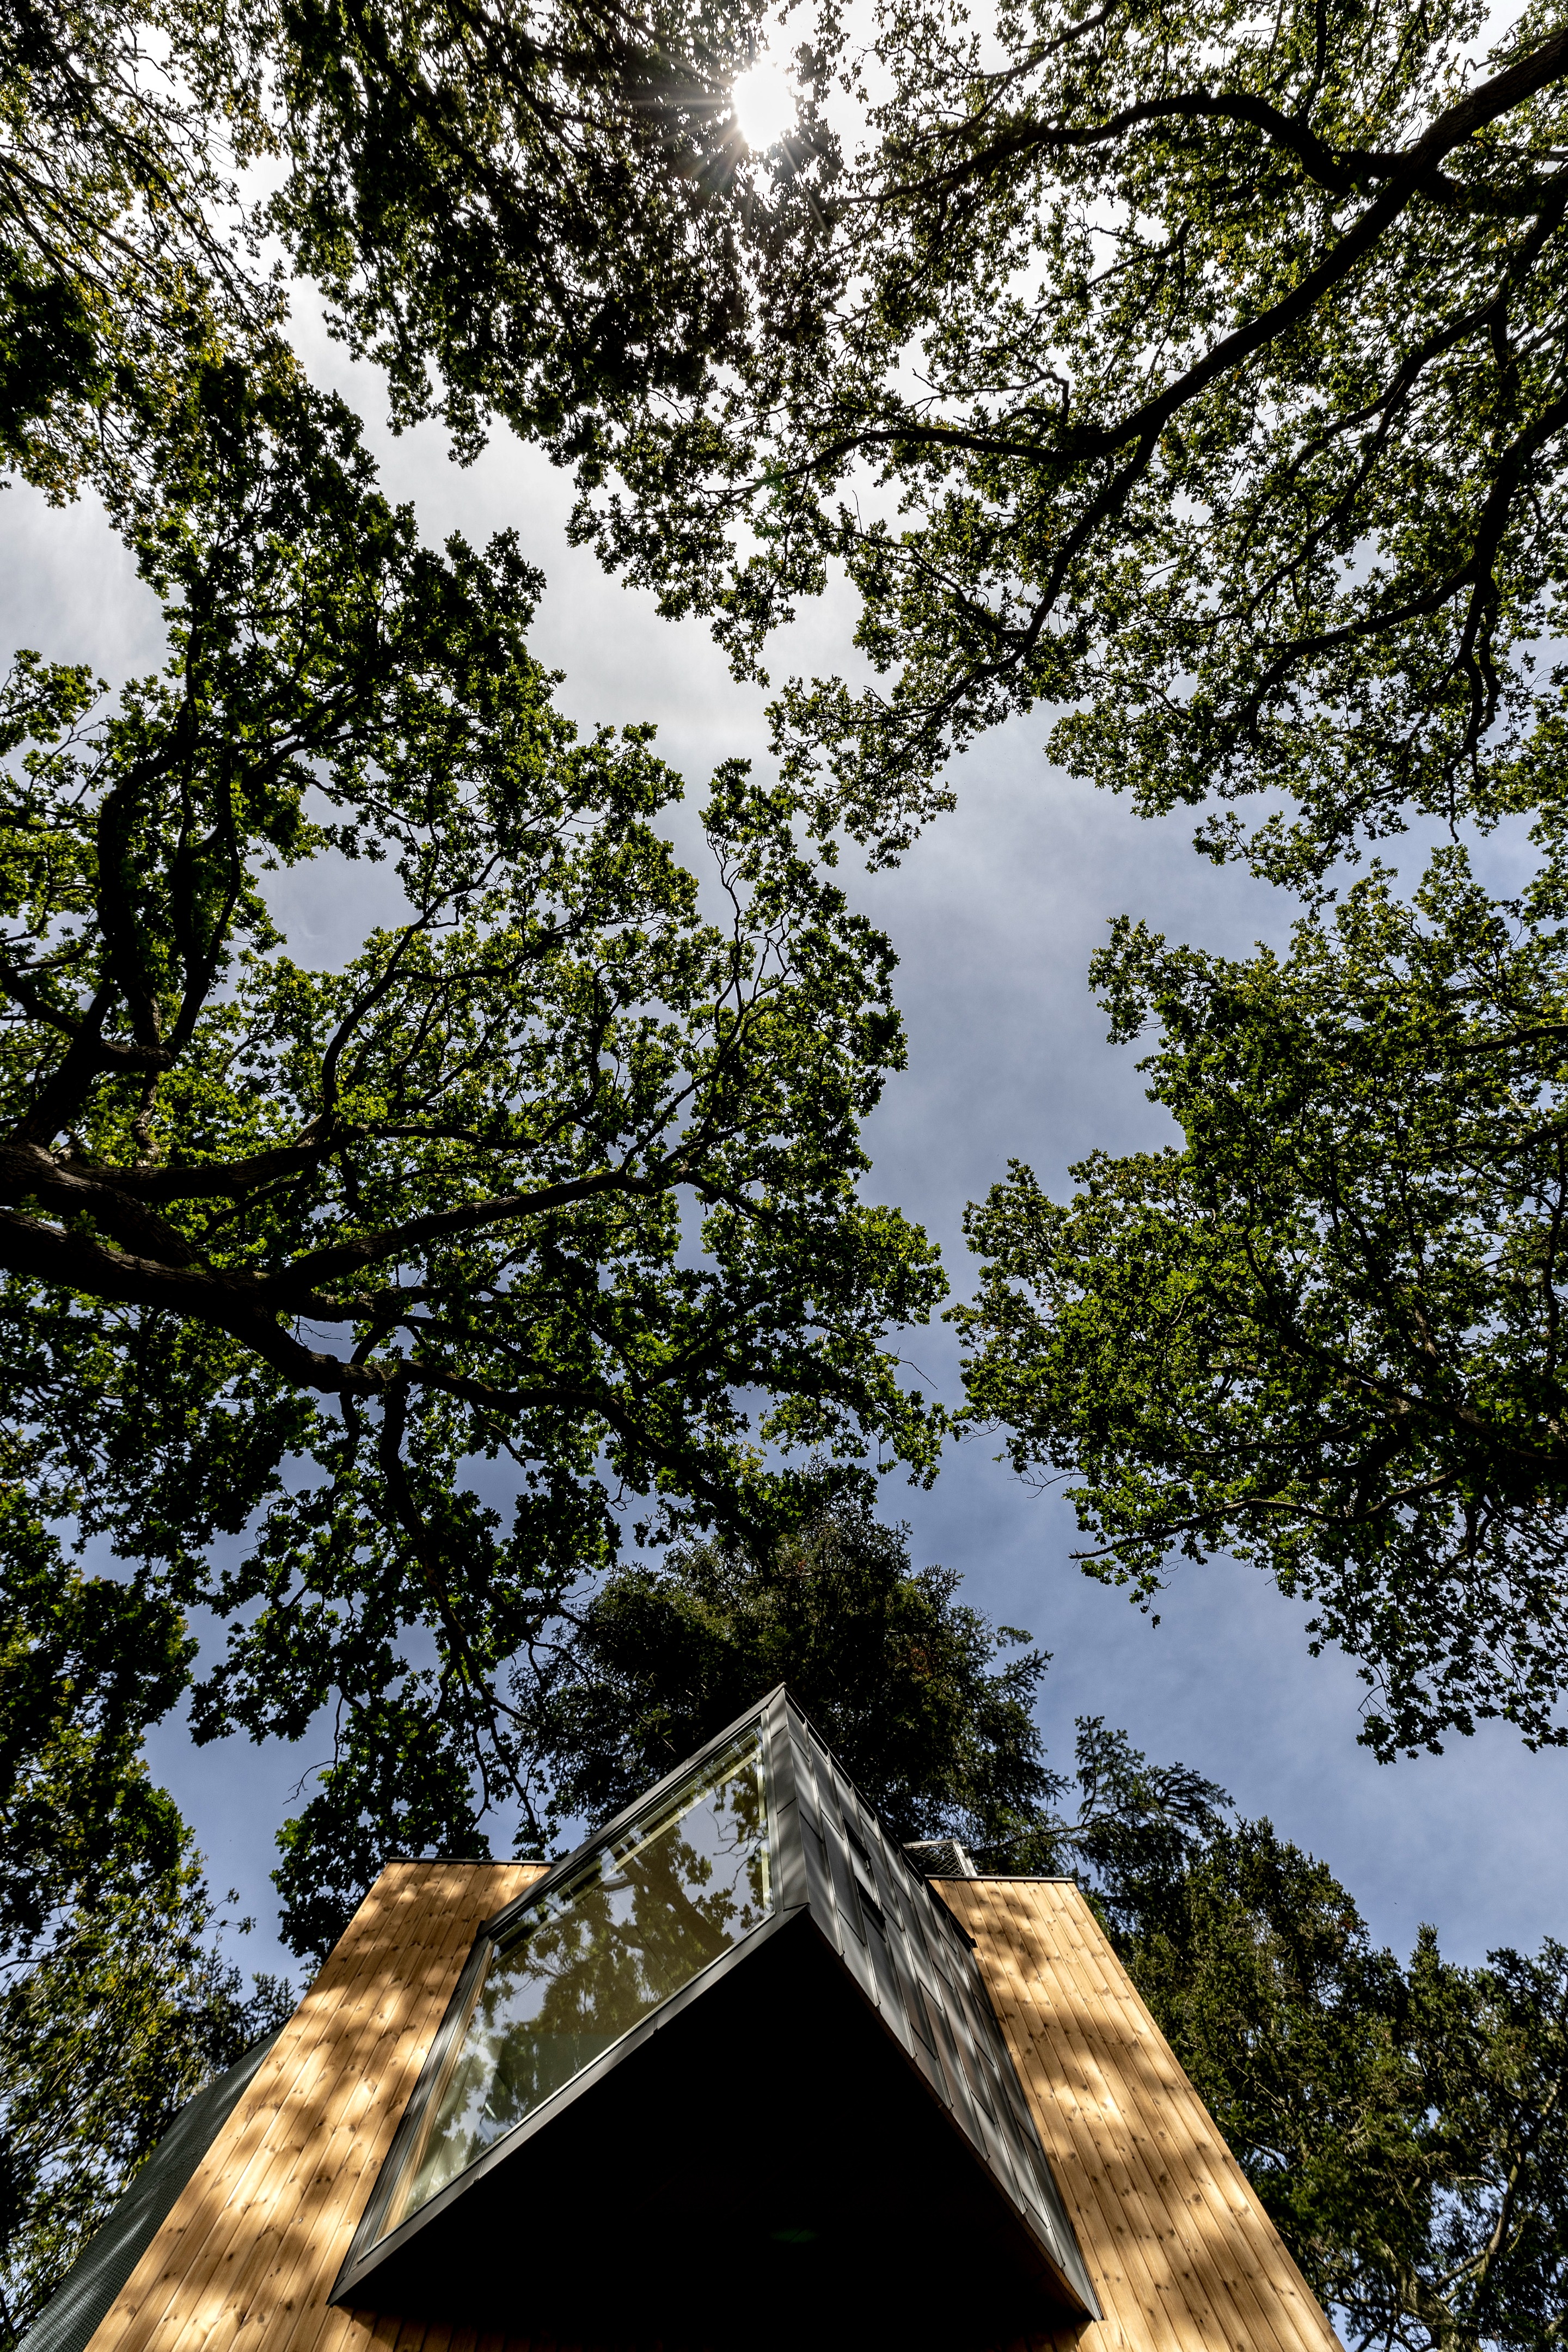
601	1948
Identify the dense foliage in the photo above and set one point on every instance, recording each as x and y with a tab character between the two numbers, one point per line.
556	1173
902	1679
930	1707
86	1664
1406	2128
125	257
1194	372
1197	374
545	209
1324	1333
542	200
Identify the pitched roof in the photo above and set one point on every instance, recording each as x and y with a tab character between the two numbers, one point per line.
1181	2251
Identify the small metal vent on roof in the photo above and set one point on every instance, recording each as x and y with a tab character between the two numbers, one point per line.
940	1858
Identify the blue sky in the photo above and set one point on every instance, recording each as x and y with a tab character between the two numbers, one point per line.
995	915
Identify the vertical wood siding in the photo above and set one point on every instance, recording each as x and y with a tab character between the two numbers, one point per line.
249	2255
1182	2256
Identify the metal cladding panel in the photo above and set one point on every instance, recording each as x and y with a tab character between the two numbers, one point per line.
913	1961
791	1861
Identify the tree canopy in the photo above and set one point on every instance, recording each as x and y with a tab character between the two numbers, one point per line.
556	1173
545	210
1193	376
1324	1333
126	257
1196	379
915	1691
540	201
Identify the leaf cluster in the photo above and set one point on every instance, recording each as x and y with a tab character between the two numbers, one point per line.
1324	1332
126	257
541	209
86	1664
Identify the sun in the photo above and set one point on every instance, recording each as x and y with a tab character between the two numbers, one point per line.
765	104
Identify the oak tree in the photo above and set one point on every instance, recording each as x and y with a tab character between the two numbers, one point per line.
1323	1332
362	1303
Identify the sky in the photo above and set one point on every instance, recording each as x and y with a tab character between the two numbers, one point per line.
995	915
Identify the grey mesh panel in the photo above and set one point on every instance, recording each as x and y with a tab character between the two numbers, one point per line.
940	1858
88	2289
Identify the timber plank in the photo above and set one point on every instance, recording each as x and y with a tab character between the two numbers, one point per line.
250	2251
1126	2225
1151	2120
1184	2256
321	2201
1119	2112
276	2227
319	2195
257	2170
1219	2218
1140	2125
322	2195
195	2237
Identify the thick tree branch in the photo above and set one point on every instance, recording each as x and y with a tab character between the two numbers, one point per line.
1343	172
1077	445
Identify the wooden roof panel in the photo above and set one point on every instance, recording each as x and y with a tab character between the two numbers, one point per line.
1183	2256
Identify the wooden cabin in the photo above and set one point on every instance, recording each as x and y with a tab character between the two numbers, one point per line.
737	2073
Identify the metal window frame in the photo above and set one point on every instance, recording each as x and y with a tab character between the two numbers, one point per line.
495	1935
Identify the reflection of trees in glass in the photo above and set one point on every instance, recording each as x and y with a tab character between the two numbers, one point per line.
639	1920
